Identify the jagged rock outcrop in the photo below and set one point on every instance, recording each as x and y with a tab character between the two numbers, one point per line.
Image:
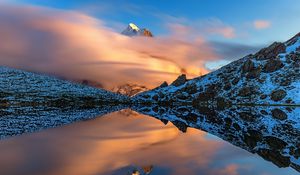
269	77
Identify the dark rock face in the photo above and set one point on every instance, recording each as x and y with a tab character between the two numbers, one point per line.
179	81
180	125
191	89
248	66
252	138
275	157
272	51
247	116
272	66
205	96
293	40
227	86
245	92
164	84
255	73
279	114
278	95
275	143
235	81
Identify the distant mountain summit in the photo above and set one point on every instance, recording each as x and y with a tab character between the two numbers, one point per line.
134	30
129	89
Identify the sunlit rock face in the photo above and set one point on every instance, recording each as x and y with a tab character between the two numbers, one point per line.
271	76
129	89
256	129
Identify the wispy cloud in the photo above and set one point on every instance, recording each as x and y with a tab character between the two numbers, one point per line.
199	27
262	24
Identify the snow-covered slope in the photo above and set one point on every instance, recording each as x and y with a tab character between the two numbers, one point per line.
31	102
271	76
271	132
26	89
134	30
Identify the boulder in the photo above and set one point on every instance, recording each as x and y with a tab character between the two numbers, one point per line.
279	114
245	92
227	86
191	89
278	95
155	97
248	66
252	137
275	157
246	116
272	65
235	81
275	143
271	52
254	73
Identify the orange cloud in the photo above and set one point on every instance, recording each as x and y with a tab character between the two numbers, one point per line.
76	46
261	24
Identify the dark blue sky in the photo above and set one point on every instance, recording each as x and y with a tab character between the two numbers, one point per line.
281	15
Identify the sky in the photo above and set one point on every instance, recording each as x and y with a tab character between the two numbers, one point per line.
82	40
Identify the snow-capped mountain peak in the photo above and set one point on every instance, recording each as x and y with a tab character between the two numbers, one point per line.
134	27
134	30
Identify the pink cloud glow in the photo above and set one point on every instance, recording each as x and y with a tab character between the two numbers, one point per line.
76	46
262	24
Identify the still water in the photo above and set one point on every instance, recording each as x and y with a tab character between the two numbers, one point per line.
126	142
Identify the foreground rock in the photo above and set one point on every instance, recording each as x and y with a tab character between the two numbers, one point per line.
271	76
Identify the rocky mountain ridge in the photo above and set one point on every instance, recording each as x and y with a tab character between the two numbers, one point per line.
21	88
269	77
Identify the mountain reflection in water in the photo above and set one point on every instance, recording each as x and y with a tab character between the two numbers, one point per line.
127	142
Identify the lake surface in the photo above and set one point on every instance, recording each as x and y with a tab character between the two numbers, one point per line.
126	142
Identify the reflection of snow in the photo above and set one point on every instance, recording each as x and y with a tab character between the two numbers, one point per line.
245	127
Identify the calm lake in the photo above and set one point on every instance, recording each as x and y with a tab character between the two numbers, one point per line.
128	143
